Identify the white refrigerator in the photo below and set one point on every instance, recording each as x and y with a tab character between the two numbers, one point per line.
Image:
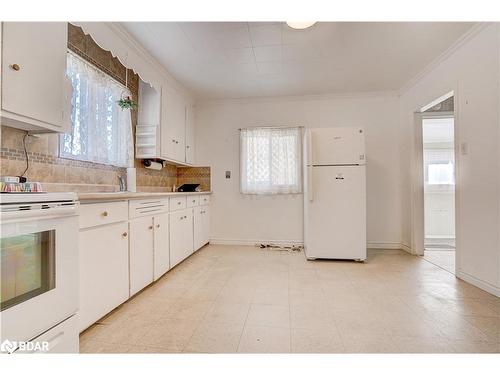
335	193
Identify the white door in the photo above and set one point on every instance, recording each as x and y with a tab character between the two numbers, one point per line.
338	146
104	279
33	69
177	252
141	253
336	217
161	245
189	134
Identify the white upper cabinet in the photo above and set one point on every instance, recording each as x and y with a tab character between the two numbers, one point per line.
35	91
189	134
173	126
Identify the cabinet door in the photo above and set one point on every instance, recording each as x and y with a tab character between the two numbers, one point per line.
206	225
188	232
177	247
201	226
161	245
141	253
190	134
33	70
173	126
104	276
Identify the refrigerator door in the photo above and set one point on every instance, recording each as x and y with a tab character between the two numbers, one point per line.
338	146
335	219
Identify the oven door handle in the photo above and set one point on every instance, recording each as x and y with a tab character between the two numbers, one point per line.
49	213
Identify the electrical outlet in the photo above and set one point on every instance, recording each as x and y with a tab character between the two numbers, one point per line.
228	174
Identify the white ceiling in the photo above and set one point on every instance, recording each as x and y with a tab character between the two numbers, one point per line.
248	59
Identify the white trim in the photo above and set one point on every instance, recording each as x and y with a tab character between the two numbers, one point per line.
241	242
484	285
385	245
469	34
407	248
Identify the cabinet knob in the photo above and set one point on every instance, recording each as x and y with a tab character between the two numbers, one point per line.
157	225
124	234
187	146
105	213
178	202
150	227
194	200
15	67
173	140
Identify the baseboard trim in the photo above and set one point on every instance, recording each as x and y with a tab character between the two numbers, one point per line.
484	285
384	245
240	242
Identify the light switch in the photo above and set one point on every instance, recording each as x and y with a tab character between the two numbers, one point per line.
228	174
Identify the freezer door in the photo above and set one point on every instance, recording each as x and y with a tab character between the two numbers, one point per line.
338	146
335	220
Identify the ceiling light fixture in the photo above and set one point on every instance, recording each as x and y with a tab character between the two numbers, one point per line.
300	25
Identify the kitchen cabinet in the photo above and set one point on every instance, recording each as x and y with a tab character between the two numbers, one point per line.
141	253
36	94
161	258
104	277
181	235
173	127
189	134
201	231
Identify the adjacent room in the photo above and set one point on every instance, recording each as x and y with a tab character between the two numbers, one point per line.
250	187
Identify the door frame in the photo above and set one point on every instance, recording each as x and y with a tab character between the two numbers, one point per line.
417	175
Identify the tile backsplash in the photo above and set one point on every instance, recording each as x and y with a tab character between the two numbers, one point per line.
58	174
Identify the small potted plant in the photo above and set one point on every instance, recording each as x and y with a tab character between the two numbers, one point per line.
126	102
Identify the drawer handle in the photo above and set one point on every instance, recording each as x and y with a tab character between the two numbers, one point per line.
124	234
15	67
105	214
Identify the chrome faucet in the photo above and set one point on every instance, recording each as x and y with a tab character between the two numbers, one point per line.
121	180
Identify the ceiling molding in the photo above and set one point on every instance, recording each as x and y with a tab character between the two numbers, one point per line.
291	98
133	43
472	32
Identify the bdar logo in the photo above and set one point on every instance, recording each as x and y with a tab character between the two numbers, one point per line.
7	346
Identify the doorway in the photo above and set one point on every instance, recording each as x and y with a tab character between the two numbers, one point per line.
438	153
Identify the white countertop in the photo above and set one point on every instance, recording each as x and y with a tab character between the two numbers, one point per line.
130	195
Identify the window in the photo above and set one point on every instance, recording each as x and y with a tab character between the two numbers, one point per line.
270	160
101	130
440	174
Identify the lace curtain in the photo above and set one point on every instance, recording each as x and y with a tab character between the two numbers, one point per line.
271	160
101	131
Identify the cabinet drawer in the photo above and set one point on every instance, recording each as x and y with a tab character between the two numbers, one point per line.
145	207
63	338
177	203
94	214
204	199
192	201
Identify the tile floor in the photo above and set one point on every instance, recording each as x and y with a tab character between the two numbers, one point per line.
227	299
441	258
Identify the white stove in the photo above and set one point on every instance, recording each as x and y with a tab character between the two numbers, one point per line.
39	271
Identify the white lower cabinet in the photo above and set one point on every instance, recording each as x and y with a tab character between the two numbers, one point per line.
161	258
125	246
104	278
141	253
201	226
181	235
63	338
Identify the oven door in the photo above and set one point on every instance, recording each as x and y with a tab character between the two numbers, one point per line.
38	273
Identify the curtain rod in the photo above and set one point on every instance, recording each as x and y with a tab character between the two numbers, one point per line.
272	127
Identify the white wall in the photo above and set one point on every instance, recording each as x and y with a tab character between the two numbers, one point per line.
249	219
472	70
